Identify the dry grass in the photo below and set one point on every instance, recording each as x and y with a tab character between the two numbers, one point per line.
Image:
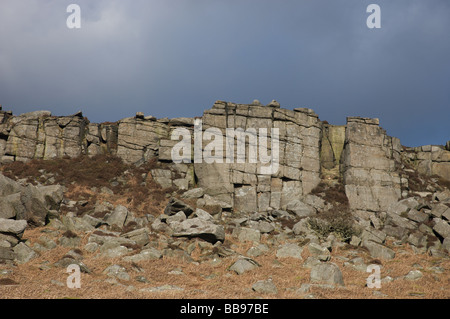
213	280
97	170
84	177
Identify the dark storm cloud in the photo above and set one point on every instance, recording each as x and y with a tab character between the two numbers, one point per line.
175	58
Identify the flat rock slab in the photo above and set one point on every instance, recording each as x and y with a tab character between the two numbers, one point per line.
164	288
242	265
198	227
12	226
414	275
442	228
147	254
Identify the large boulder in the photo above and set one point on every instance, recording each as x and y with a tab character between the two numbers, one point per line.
8	186
11	206
265	287
243	265
300	209
175	205
289	251
23	253
11	226
326	273
118	216
442	228
198	227
377	250
30	203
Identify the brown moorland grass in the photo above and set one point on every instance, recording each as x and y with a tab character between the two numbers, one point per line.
214	280
84	176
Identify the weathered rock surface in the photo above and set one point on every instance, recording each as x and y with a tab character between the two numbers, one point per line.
289	250
198	227
265	287
327	273
393	197
30	203
11	226
369	172
378	250
242	265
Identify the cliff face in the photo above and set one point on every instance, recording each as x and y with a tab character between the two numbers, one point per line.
370	163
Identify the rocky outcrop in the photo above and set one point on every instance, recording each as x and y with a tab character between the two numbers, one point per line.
244	185
430	159
351	187
369	170
367	160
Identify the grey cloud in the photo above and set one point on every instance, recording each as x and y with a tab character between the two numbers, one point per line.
175	58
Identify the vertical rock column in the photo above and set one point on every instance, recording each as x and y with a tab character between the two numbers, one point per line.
369	169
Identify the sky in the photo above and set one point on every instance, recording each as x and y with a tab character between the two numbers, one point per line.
175	58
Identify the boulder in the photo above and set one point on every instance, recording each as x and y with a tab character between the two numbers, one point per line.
66	261
200	213
322	253
442	228
11	206
140	236
23	253
198	227
176	218
242	265
118	216
6	254
265	227
147	254
35	209
326	273
414	275
377	250
289	250
248	234
446	215
370	233
417	216
9	186
16	227
175	205
302	227
193	193
265	287
300	209
438	210
117	271
30	203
